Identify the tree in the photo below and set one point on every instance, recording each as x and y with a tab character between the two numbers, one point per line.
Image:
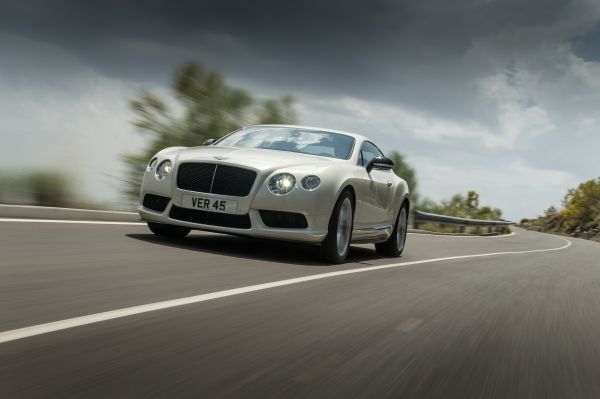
580	216
472	201
405	171
209	108
461	206
458	205
278	111
582	207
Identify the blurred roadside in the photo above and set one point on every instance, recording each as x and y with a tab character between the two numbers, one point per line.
47	188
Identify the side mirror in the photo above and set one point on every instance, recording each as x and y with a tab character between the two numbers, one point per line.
208	142
382	163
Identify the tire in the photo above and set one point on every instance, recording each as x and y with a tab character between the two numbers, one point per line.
336	245
394	245
168	230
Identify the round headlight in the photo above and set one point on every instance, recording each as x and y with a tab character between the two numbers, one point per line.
152	164
282	183
163	169
310	182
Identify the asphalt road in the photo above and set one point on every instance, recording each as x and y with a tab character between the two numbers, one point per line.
511	325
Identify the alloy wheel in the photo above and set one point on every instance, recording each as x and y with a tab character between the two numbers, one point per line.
344	227
401	229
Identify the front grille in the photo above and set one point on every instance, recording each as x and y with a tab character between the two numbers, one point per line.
230	180
155	202
279	219
215	179
210	218
196	176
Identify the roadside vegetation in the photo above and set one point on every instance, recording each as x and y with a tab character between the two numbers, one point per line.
463	206
49	188
578	217
407	172
46	188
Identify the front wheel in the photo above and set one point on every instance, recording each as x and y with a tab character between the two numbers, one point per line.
168	230
336	245
394	245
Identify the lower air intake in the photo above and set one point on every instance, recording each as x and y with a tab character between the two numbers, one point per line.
210	218
155	202
284	220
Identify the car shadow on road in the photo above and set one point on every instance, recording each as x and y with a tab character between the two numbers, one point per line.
255	248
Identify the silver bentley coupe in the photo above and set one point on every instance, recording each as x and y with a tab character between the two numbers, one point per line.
295	183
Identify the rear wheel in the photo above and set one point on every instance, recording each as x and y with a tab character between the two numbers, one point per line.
168	230
336	245
394	245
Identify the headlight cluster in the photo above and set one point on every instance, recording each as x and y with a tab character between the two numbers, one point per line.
163	169
283	183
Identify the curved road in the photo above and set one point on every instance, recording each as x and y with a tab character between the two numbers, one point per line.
218	316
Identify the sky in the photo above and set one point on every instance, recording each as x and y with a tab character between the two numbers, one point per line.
501	97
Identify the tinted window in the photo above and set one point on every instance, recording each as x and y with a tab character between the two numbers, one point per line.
368	152
314	142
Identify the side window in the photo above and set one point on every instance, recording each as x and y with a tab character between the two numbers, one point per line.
368	152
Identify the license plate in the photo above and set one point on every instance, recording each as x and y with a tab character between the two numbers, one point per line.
209	204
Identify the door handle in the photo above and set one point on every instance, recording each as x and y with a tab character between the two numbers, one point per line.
389	185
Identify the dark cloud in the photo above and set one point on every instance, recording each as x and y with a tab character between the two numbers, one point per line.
587	45
351	44
407	52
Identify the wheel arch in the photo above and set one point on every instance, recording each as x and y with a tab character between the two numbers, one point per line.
350	188
346	185
406	202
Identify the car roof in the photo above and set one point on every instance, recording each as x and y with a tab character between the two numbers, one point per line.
358	137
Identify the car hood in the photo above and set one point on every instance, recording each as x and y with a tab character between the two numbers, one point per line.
257	158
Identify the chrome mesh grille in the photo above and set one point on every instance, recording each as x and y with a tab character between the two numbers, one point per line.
215	179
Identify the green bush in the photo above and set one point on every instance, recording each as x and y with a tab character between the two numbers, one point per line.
48	188
580	216
463	206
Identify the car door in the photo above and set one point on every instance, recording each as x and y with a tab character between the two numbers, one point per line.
374	192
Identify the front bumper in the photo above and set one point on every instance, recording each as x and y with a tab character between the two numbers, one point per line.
314	233
315	206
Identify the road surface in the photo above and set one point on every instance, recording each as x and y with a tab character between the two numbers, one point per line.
214	316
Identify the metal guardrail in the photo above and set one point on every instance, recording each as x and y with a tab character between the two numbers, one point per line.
462	222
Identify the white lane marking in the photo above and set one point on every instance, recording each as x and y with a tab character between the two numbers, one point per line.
25	332
69	221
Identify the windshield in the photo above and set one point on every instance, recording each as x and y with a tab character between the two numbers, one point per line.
306	141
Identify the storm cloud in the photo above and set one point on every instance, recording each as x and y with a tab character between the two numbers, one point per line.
497	96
